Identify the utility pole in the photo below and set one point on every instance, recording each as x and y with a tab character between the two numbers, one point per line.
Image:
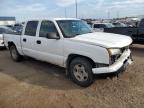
108	14
76	3
65	13
117	14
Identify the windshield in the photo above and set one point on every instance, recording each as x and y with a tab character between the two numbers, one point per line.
72	28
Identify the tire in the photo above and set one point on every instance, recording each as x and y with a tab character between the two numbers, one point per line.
81	72
14	54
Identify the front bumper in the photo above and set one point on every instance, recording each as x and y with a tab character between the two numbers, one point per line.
123	61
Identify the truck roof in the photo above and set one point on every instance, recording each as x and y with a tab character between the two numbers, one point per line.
102	23
52	19
65	19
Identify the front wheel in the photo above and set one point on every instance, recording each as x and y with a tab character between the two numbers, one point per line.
14	54
81	72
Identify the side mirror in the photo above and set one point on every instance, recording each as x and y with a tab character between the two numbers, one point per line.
52	35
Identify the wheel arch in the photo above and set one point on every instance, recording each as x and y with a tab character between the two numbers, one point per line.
73	56
10	43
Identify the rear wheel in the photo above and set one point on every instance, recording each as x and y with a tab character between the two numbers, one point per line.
81	72
14	54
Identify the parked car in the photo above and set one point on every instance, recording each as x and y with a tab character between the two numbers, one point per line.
137	33
9	26
3	30
118	24
99	27
70	43
18	28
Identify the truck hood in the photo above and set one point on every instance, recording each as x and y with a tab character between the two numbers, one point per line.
107	40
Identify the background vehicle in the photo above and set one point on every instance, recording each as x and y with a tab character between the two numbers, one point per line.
71	44
18	28
137	33
99	27
118	24
3	30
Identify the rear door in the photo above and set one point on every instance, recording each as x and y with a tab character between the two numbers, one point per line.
28	39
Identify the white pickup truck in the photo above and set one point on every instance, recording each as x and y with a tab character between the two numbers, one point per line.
70	43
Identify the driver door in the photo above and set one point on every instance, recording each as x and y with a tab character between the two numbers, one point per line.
50	50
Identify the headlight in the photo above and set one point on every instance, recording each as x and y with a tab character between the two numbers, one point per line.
114	51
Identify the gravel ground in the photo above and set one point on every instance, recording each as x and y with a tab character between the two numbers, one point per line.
34	84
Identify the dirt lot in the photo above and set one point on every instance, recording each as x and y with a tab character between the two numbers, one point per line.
33	84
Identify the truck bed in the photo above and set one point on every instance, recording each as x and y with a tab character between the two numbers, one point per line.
16	38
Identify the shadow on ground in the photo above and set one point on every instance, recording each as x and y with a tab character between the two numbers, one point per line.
40	73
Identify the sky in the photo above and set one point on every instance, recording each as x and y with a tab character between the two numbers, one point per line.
30	9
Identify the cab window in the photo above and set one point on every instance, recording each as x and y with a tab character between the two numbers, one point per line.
47	27
31	28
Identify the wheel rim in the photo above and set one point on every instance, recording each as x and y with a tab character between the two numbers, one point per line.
80	72
13	53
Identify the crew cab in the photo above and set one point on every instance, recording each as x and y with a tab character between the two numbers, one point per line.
136	33
70	43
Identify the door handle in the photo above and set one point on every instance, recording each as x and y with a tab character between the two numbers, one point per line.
38	42
24	40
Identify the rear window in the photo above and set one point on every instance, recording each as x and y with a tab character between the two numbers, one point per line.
99	26
31	28
96	26
102	26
